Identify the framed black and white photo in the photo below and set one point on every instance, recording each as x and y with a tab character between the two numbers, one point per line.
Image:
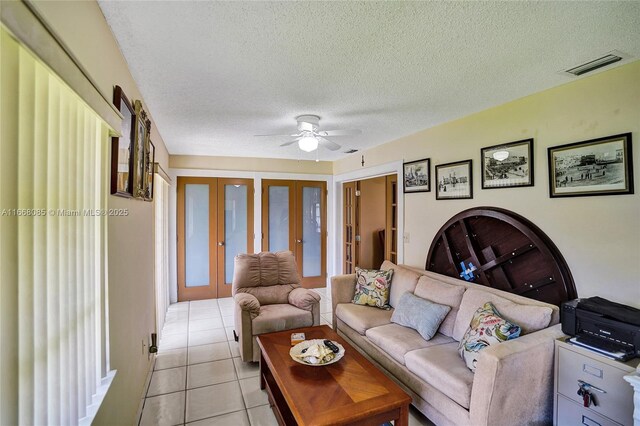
122	147
454	181
417	176
508	165
600	166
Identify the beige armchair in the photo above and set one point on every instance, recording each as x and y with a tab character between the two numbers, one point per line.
268	298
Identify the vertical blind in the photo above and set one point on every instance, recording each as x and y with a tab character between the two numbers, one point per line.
161	201
53	189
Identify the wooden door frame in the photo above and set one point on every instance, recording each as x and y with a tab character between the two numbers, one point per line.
348	247
391	231
202	292
321	280
224	288
266	183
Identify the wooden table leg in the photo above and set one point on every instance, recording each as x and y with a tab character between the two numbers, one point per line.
263	366
403	420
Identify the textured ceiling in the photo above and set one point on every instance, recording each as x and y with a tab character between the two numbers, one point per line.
213	74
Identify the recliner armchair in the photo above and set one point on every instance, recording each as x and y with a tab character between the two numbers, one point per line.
268	298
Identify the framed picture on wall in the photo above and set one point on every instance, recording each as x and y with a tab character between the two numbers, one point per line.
122	147
508	165
142	130
600	166
417	176
454	181
150	158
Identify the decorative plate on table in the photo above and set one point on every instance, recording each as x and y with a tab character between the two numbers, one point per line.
310	345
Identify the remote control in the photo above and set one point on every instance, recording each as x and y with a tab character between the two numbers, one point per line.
330	345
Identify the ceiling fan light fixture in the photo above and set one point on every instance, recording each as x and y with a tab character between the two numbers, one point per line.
501	155
308	143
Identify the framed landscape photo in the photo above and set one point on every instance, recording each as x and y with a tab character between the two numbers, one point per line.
600	166
454	181
122	147
417	176
508	165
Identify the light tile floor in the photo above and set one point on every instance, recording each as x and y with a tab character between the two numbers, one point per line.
199	378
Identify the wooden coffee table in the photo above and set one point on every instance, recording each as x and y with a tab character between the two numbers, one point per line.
351	391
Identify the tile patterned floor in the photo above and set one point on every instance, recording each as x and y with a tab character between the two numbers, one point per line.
199	378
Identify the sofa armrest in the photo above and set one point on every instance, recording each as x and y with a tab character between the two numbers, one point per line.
513	382
303	298
248	303
343	288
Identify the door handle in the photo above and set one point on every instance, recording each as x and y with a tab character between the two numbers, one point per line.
299	241
220	243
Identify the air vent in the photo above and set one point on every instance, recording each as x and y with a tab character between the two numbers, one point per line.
351	151
608	59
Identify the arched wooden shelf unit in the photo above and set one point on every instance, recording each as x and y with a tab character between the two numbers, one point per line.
509	252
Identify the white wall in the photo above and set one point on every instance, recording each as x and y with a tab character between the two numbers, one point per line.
598	236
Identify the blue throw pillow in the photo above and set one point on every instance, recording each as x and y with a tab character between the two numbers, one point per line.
422	315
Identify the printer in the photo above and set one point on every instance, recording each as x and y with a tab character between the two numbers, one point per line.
608	328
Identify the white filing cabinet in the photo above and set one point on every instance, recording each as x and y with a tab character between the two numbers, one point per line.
614	403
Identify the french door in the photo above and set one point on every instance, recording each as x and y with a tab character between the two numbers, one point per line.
369	233
215	223
294	217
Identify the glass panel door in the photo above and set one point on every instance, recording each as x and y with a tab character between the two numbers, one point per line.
196	233
196	226
311	232
278	215
235	225
349	231
215	223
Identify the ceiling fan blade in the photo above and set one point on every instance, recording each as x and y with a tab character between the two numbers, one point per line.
345	132
289	143
330	145
292	136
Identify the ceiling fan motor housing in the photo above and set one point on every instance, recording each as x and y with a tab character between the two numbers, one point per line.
308	123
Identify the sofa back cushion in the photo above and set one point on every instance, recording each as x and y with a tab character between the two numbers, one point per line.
404	280
422	315
444	294
270	277
530	318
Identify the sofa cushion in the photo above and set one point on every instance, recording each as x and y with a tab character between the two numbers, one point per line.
422	315
442	368
444	294
278	317
397	340
404	280
372	287
487	328
529	317
361	318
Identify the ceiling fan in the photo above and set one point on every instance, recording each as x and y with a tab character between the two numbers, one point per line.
309	136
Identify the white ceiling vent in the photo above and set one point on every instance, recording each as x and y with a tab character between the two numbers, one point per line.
608	59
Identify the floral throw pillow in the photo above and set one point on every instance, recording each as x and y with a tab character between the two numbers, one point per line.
372	287
487	328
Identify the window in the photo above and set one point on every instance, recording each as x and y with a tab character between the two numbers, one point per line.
53	188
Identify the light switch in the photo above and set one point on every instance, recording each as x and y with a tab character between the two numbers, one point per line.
406	238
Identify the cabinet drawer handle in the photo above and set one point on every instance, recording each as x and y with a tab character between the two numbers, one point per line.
589	422
594	371
590	387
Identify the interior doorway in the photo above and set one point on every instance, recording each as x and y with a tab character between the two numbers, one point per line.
214	224
294	217
370	217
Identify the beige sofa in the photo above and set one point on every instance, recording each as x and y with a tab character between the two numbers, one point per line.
513	381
